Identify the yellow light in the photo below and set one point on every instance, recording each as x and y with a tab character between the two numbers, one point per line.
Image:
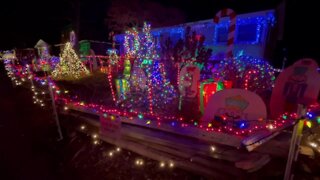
148	122
270	126
171	164
112	118
313	144
43	92
66	108
83	127
162	164
95	142
118	149
209	125
111	154
212	148
309	124
95	136
139	162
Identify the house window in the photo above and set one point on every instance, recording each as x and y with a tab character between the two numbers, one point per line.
247	33
175	37
221	34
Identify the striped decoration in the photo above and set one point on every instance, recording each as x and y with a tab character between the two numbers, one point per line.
232	15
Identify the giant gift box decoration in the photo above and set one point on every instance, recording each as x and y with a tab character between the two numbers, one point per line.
207	88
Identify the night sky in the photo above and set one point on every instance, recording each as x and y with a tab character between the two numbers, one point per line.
23	23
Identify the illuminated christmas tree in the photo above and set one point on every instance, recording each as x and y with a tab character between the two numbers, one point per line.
70	66
150	90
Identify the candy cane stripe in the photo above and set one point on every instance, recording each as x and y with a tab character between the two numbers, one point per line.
232	27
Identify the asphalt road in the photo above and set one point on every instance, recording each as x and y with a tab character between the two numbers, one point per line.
24	131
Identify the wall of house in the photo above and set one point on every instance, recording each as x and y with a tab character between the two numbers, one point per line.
251	36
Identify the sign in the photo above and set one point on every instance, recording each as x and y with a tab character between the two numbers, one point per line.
110	126
147	62
235	105
189	78
297	84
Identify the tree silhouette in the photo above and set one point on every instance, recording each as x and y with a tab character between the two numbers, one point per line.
125	14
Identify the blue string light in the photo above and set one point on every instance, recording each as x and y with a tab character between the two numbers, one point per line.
207	28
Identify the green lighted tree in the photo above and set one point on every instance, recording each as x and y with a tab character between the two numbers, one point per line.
70	66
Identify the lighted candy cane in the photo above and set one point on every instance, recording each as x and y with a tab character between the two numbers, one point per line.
248	77
232	15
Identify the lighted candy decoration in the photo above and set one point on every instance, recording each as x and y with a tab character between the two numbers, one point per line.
231	34
297	84
237	107
189	78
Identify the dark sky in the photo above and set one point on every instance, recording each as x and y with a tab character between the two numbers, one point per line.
25	22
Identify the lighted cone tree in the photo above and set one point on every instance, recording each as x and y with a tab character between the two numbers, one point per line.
70	66
153	92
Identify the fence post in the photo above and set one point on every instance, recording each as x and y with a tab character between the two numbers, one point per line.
55	114
295	142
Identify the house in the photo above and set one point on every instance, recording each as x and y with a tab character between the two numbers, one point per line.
252	34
